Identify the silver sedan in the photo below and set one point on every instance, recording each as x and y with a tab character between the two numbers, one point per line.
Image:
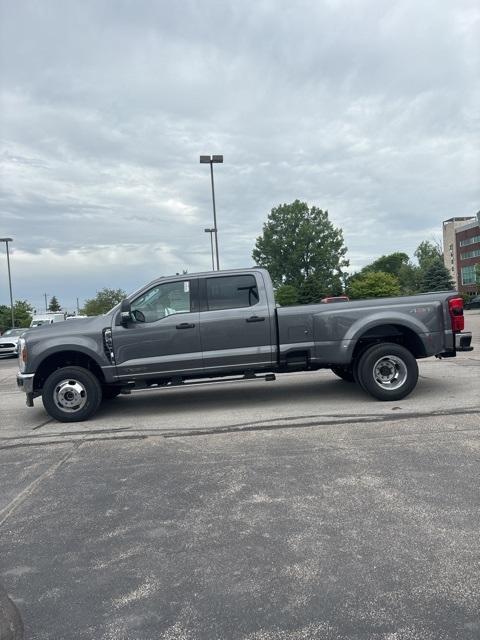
9	342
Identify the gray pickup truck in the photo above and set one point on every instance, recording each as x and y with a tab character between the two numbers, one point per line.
182	329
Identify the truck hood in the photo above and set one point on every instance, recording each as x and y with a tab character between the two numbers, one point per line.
69	328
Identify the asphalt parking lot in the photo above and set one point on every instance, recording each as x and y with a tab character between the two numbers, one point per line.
295	509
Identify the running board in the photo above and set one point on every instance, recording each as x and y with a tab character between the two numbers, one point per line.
175	382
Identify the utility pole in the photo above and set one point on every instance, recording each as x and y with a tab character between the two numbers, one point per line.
7	240
46	305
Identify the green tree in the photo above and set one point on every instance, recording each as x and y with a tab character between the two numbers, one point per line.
426	253
391	263
374	284
103	301
54	305
299	242
311	290
409	279
22	312
286	295
435	277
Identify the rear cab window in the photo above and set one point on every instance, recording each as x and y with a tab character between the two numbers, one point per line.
231	292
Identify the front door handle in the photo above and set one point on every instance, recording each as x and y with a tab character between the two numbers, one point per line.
256	319
185	325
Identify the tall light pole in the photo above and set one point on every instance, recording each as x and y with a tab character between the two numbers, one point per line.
211	232
211	160
7	240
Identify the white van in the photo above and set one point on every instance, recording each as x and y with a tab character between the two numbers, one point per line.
46	318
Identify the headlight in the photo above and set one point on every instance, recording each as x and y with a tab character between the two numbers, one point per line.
22	354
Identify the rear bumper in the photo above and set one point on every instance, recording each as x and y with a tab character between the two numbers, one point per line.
463	341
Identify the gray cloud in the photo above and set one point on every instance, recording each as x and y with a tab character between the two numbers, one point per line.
367	109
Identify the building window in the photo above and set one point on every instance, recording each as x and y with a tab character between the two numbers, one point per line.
467	241
451	247
470	254
468	275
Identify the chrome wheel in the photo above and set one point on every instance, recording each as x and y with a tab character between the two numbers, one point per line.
70	395
390	372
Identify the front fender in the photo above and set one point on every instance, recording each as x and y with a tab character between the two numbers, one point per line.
41	350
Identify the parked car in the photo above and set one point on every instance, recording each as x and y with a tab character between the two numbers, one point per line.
47	318
329	299
473	303
210	325
9	342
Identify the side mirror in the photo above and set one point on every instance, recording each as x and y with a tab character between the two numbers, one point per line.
125	313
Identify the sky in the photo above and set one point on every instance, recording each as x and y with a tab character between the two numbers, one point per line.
369	109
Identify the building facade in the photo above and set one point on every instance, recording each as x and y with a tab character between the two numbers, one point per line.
461	251
450	244
468	255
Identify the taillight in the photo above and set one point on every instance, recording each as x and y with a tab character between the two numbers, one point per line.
455	307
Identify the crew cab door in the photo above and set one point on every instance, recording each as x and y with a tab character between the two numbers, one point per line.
163	337
236	329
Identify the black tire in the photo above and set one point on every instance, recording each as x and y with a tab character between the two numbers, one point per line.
387	371
110	393
71	394
344	373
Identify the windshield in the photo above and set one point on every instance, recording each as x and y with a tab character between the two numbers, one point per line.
37	323
14	332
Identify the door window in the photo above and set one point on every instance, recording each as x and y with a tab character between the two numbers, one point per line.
161	301
231	292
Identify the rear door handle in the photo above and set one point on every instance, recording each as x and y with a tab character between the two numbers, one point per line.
185	325
256	319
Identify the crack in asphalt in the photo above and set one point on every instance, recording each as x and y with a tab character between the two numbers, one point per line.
302	425
50	443
118	433
42	424
7	511
270	423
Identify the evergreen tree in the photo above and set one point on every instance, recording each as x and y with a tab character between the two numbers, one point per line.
54	305
436	277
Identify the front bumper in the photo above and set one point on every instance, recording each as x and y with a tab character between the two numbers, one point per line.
463	341
25	382
8	351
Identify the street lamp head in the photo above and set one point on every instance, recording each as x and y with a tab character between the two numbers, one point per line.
209	159
209	230
6	239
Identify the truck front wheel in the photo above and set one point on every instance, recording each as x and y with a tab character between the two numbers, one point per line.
71	394
388	371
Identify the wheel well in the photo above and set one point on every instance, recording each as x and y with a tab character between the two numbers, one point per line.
391	333
65	359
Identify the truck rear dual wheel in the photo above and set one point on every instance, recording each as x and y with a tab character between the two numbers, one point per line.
71	394
387	371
